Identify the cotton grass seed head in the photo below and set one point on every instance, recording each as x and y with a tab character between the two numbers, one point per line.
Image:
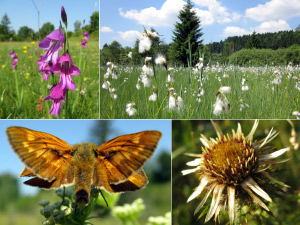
231	168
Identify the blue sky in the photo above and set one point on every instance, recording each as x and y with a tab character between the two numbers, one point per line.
123	20
74	131
23	13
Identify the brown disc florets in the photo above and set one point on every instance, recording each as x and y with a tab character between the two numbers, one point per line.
230	160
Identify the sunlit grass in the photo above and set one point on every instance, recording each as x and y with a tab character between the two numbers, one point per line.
22	90
265	100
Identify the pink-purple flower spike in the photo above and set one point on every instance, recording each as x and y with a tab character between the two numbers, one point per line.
50	63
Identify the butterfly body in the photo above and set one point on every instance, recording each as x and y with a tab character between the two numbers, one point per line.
84	159
115	166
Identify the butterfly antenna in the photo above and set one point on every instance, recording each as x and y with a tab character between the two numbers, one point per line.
103	198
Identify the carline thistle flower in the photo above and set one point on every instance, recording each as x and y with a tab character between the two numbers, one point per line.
231	167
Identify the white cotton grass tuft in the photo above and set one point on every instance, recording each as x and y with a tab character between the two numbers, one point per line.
144	44
161	60
130	110
224	90
153	97
113	94
234	167
175	101
221	105
106	84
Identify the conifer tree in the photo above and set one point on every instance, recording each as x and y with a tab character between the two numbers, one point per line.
187	30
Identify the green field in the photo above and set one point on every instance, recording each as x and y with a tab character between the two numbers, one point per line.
26	211
265	99
22	90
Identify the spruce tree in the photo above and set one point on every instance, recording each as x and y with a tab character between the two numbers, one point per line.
187	30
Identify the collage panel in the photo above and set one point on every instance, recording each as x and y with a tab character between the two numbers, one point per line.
85	172
235	172
49	60
194	59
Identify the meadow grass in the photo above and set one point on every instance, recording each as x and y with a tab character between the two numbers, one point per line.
156	197
265	100
22	90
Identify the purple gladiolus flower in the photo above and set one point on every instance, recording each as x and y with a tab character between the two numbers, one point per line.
44	68
83	43
52	43
66	68
86	36
57	95
42	64
14	56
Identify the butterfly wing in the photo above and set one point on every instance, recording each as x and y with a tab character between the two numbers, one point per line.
45	156
123	156
135	182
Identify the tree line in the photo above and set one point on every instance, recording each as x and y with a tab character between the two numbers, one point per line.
276	40
25	33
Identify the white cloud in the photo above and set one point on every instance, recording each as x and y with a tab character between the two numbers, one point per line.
218	12
274	10
269	26
235	31
130	35
106	29
165	16
209	12
205	16
272	26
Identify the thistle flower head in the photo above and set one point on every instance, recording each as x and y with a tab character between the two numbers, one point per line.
232	166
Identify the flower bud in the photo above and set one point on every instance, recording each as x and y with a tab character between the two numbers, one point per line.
64	16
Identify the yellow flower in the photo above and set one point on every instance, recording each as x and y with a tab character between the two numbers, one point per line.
30	57
24	47
25	52
77	44
27	76
33	42
85	79
3	66
82	38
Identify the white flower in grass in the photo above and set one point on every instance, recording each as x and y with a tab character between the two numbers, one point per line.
221	105
224	90
144	44
175	102
170	78
106	84
131	111
129	55
160	60
146	81
148	59
147	70
106	75
296	113
138	86
113	94
153	97
172	103
245	88
115	75
232	168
